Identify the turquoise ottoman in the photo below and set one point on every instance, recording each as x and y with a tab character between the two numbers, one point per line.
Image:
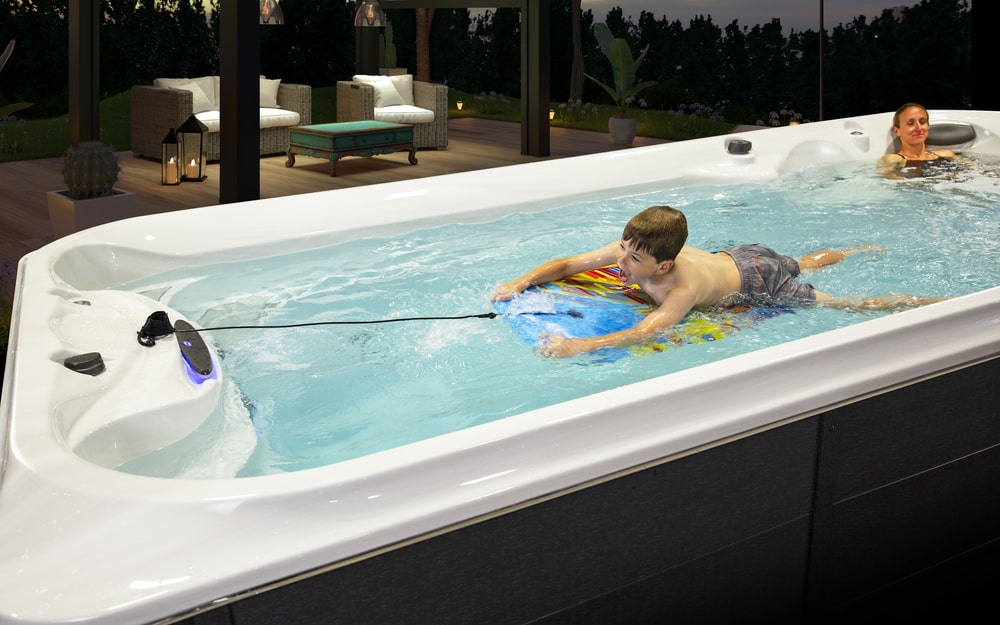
365	138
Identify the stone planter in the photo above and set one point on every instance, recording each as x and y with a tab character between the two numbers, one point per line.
622	130
68	215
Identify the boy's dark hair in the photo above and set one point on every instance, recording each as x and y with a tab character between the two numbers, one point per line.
659	230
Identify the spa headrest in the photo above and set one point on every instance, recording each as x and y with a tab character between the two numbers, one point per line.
951	134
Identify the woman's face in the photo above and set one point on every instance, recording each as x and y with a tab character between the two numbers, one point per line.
913	125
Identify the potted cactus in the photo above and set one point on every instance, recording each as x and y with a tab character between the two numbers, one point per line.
90	170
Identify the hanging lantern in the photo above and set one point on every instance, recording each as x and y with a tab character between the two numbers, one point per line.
369	20
170	159
270	13
192	139
369	14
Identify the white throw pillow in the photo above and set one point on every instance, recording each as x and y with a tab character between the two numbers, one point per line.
404	85
385	91
269	93
199	99
202	90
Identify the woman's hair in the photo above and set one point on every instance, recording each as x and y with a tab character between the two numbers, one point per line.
899	111
658	230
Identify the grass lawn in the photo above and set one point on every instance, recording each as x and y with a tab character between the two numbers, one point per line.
46	138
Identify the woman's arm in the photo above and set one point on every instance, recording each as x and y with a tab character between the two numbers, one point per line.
889	166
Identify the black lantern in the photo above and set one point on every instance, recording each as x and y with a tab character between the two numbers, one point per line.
369	19
369	14
192	139
270	13
170	159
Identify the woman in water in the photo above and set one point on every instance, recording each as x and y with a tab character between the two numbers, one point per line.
911	124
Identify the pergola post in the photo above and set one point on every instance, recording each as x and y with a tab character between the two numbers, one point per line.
535	90
239	81
84	71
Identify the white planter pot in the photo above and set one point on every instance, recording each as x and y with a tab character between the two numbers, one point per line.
622	130
68	215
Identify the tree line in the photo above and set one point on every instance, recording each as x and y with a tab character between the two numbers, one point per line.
921	53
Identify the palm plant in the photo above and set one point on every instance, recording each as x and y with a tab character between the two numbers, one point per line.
623	68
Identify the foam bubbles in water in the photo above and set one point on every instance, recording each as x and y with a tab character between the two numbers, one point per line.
324	394
218	449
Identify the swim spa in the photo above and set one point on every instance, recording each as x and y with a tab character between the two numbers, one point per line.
637	496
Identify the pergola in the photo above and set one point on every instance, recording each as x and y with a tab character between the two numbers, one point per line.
239	68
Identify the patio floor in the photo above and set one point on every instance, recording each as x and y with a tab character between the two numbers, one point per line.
473	144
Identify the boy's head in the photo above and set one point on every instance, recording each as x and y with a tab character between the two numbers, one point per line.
660	231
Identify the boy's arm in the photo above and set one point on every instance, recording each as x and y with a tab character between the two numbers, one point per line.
673	309
558	268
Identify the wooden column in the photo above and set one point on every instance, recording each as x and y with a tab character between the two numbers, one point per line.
84	71
239	81
535	90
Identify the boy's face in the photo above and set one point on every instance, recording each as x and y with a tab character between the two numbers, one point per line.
636	266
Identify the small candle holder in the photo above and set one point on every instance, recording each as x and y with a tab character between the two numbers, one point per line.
170	173
192	153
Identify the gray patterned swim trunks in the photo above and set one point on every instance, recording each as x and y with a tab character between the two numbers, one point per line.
764	271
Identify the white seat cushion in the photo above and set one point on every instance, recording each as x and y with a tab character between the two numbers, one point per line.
404	114
210	119
269	118
276	118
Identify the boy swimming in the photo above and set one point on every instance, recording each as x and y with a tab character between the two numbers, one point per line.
678	278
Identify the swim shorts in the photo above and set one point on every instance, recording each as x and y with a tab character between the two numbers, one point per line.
764	271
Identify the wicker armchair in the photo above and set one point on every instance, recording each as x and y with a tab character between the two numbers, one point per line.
356	102
156	110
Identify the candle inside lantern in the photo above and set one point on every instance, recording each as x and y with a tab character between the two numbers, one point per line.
192	169
172	171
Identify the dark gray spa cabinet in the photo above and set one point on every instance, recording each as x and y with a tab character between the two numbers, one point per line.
880	510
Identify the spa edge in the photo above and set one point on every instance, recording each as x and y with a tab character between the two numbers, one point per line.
701	506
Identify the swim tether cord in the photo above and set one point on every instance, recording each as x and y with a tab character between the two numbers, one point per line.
158	324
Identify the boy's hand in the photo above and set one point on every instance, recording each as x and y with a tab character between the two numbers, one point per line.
506	291
556	346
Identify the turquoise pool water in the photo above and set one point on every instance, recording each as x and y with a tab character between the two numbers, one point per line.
305	397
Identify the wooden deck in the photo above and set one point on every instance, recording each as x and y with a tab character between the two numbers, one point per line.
473	144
